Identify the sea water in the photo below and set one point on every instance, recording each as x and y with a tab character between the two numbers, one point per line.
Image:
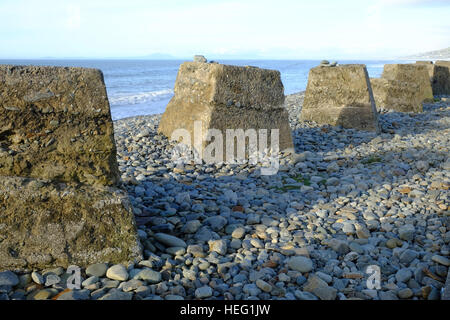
143	87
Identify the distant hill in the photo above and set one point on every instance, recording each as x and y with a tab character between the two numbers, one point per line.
443	54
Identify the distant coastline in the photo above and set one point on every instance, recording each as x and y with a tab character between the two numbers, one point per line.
443	54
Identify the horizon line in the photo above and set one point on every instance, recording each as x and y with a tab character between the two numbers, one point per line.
209	60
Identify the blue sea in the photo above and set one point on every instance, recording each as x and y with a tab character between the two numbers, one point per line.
143	87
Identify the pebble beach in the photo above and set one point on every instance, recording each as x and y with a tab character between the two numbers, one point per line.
341	201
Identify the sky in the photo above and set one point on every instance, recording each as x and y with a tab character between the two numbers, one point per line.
254	29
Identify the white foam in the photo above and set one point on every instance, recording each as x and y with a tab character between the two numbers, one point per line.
156	107
140	98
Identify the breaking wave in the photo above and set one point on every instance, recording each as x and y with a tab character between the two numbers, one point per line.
140	98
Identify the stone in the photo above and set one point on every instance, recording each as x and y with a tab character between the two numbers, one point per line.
192	226
340	96
75	225
173	297
149	275
339	246
8	278
216	223
396	95
51	280
200	58
406	232
219	246
320	288
408	256
79	104
90	281
348	228
301	295
117	272
44	294
405	293
203	292
251	289
264	286
59	173
169	240
238	233
412	73
97	270
176	251
37	277
301	264
441	260
422	166
403	275
75	295
115	294
236	244
256	243
196	250
387	295
370	293
131	285
221	97
325	277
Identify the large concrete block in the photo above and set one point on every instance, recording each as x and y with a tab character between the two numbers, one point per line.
55	123
396	95
444	63
439	77
219	84
441	80
44	224
58	171
227	97
414	73
340	96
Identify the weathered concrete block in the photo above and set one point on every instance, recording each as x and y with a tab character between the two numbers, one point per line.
439	77
340	96
414	73
430	67
441	81
444	63
46	224
227	97
396	95
58	168
424	62
55	123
